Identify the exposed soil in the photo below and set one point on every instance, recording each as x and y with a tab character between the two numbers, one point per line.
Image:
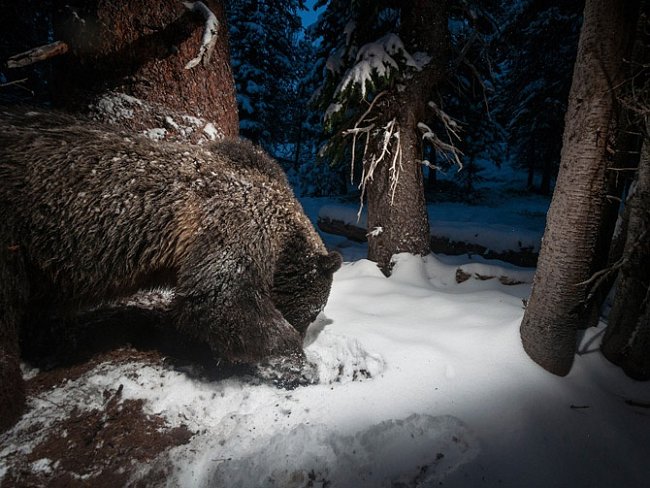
107	447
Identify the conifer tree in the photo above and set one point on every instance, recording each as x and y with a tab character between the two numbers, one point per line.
537	49
264	40
380	72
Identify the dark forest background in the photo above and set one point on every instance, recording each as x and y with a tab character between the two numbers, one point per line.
400	103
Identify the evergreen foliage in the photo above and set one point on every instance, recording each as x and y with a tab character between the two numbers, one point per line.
537	52
265	42
367	58
470	94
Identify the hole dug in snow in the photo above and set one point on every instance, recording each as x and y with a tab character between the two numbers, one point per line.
339	359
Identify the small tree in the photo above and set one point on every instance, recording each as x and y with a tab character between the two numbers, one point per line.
264	38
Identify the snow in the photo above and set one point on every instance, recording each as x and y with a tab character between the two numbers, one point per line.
212	132
332	109
116	106
512	227
422	381
156	134
380	59
209	38
44	464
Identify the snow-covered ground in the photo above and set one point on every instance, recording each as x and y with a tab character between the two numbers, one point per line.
423	382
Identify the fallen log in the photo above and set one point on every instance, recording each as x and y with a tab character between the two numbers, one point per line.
524	257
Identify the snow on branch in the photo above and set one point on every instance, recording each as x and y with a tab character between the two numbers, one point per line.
450	152
380	59
450	124
209	40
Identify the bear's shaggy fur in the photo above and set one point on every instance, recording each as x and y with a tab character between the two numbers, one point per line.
89	214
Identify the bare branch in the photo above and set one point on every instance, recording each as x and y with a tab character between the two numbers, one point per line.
356	130
14	82
37	54
450	152
463	52
598	278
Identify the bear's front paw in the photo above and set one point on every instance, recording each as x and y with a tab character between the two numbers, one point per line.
256	339
288	372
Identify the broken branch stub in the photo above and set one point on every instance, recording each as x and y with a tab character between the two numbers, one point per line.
40	53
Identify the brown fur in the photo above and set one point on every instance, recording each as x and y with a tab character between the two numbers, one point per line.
90	215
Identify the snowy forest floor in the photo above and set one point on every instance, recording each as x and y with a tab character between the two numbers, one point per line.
421	381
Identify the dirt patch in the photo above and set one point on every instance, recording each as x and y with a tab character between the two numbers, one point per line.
46	380
114	445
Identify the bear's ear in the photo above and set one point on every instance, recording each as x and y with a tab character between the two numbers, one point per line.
330	262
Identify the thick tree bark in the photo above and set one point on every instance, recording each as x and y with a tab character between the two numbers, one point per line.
140	48
628	144
402	216
126	63
627	339
556	308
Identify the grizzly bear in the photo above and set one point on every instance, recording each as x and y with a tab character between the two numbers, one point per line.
89	214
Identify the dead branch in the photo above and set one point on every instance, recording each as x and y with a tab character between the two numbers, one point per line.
209	40
391	130
463	52
37	54
598	278
450	152
356	130
14	82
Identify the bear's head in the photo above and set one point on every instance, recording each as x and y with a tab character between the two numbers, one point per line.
301	284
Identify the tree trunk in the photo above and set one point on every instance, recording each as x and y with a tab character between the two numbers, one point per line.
432	179
627	339
530	182
547	172
556	308
398	222
127	62
628	145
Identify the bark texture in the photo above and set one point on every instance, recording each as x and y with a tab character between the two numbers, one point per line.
402	216
556	308
627	339
126	63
